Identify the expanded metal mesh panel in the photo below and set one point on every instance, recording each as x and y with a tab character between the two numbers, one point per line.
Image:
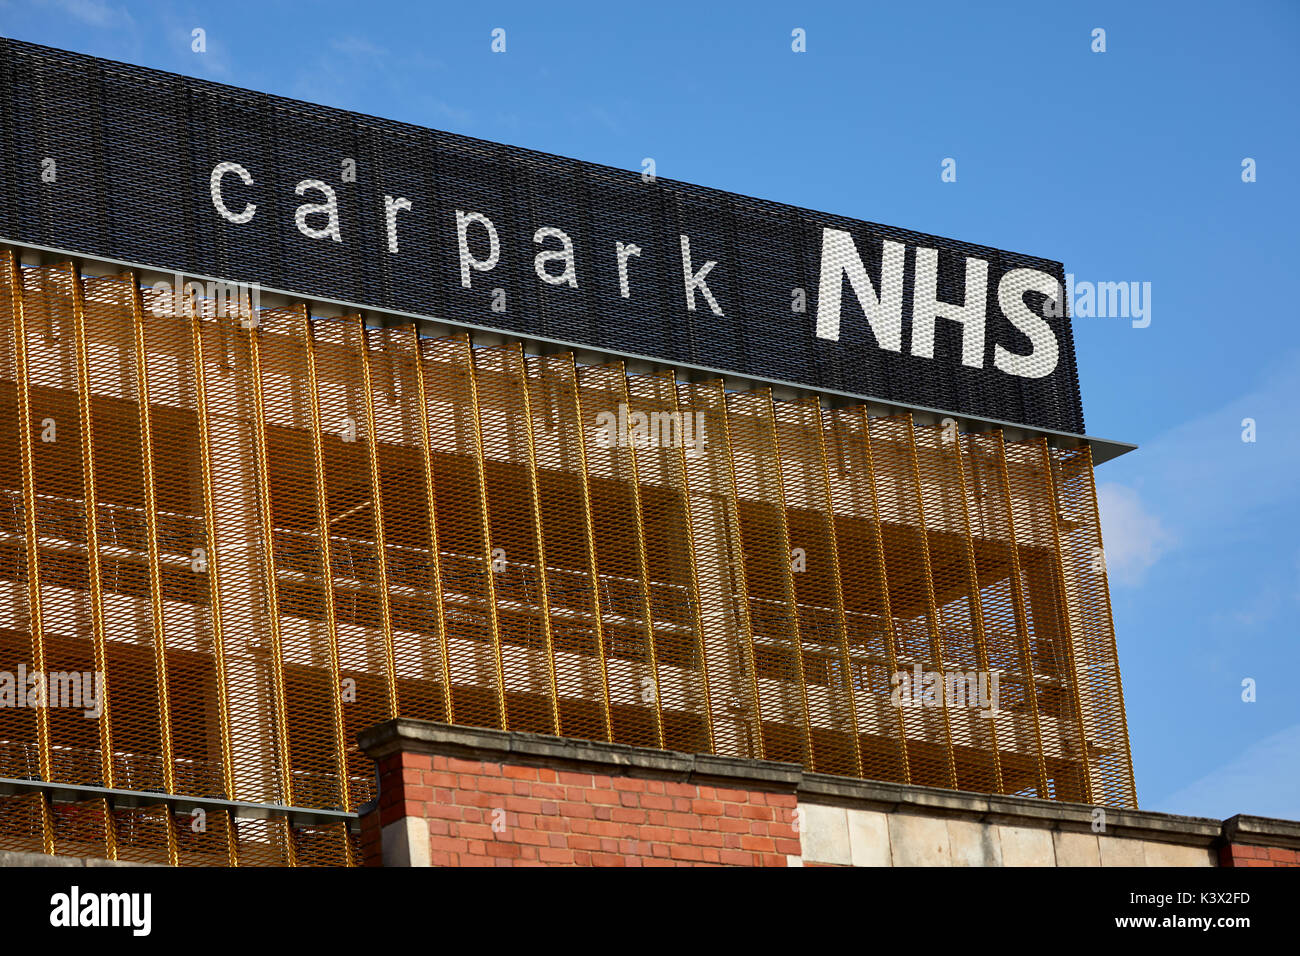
239	554
263	842
635	700
765	543
717	280
727	641
869	623
184	582
326	845
518	564
23	823
1096	668
960	641
411	579
143	834
19	617
131	707
33	823
254	535
1002	604
911	600
662	440
205	839
460	507
819	599
83	829
295	441
564	503
71	599
1033	512
350	521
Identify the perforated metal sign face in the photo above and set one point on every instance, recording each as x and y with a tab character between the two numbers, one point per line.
143	166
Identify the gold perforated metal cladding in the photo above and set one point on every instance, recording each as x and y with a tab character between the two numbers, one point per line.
134	647
572	582
268	532
143	834
468	589
635	712
412	579
1006	631
869	623
660	442
727	640
22	823
819	598
1033	505
82	829
235	553
961	637
20	751
1098	688
909	585
308	630
765	543
351	519
518	560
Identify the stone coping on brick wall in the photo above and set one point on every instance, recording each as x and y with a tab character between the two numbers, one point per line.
563	753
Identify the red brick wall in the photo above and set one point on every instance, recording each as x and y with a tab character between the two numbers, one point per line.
467	796
1237	854
370	849
493	814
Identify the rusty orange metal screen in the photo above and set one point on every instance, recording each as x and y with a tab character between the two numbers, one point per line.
265	532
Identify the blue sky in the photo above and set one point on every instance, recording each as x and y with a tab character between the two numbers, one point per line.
1125	165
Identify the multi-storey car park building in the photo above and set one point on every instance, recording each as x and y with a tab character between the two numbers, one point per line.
650	501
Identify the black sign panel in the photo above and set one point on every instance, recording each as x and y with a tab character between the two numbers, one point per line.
143	166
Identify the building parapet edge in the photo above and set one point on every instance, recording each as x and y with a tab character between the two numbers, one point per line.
405	735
